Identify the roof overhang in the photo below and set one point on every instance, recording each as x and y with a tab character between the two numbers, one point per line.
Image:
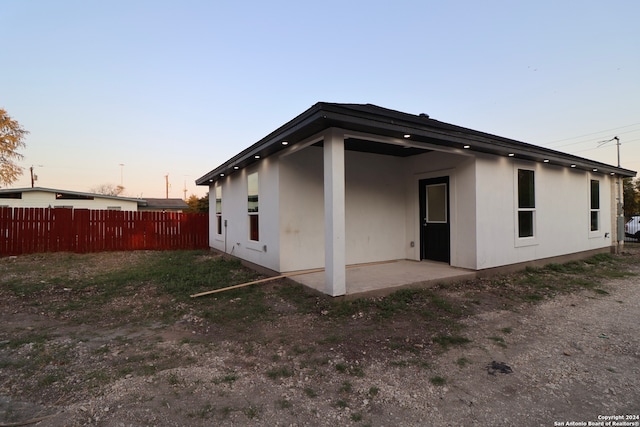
366	126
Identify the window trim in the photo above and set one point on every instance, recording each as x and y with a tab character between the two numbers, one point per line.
525	240
445	206
217	195
251	214
599	231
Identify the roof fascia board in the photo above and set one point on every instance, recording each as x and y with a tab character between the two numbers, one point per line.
482	142
392	124
280	134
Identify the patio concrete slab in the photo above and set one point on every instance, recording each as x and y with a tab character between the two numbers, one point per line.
384	278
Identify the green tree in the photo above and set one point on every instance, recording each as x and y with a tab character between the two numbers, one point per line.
203	204
198	204
12	136
631	197
192	201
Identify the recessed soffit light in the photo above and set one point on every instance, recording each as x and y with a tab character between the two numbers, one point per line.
406	135
467	146
285	142
546	160
511	154
573	166
236	168
257	156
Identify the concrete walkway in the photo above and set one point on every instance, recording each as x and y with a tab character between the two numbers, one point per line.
384	278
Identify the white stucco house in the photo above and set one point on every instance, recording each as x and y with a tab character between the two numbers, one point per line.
345	184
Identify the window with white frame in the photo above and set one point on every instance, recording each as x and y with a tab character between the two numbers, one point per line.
252	207
218	192
595	205
526	203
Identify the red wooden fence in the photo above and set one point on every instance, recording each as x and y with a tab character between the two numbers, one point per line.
34	230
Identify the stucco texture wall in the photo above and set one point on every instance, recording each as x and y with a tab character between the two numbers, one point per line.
562	212
235	236
382	210
302	210
375	209
462	202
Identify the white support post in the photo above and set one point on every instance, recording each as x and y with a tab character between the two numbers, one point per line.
334	213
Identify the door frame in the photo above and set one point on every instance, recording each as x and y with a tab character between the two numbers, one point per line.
422	186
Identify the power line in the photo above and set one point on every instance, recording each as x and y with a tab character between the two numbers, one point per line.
626	142
589	141
593	133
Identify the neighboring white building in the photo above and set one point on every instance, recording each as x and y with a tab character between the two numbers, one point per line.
346	184
39	197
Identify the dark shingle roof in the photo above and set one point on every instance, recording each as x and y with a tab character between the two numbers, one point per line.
369	119
164	203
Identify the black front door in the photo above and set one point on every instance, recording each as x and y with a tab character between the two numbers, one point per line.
434	219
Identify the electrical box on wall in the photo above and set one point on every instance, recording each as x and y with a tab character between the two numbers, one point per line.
620	228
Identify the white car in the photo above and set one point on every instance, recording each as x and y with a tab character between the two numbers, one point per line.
632	227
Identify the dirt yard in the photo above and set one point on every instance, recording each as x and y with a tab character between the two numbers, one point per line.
541	348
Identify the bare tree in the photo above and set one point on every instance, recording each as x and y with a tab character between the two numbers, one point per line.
108	189
12	136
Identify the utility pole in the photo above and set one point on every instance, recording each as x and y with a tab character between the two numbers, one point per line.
122	175
620	204
34	177
166	186
620	222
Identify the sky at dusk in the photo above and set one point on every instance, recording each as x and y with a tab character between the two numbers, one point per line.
178	87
